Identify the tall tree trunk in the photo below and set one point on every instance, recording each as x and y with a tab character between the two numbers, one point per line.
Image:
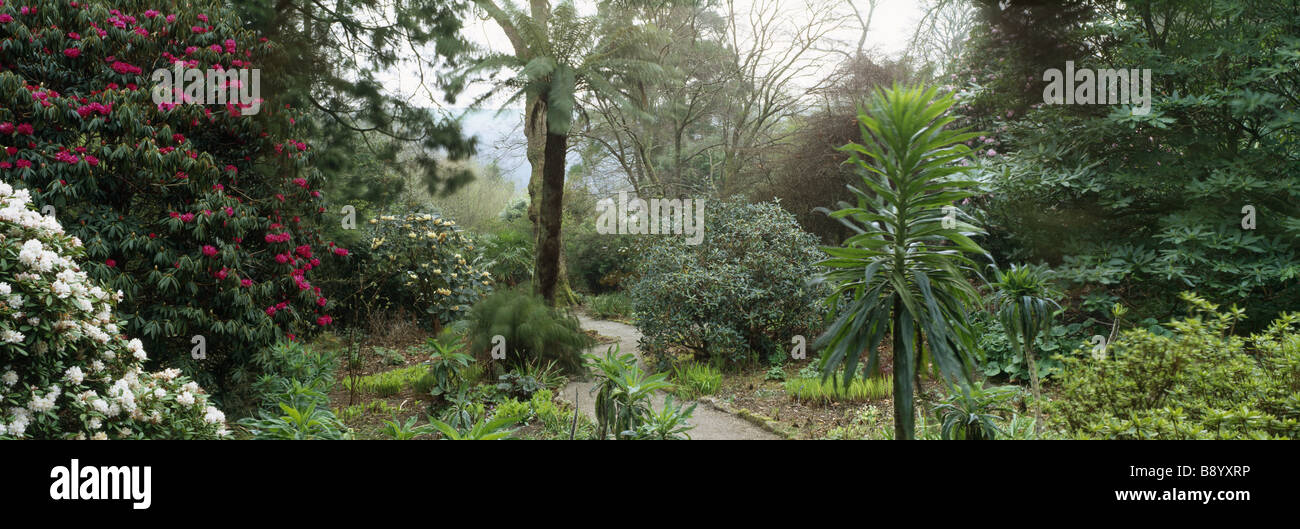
550	248
540	159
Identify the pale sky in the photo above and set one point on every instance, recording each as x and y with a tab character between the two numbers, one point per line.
891	28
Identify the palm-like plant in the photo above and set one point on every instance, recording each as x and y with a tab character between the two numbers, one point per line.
623	394
1022	297
557	54
974	414
903	273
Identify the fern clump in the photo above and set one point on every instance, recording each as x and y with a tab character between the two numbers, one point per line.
532	331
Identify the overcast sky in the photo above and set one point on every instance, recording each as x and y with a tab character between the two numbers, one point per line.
891	28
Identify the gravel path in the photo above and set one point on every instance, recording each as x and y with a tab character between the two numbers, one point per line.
709	422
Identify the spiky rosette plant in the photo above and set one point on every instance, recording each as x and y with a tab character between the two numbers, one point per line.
904	273
66	369
1023	297
200	214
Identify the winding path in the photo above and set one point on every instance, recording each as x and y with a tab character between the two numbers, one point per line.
709	423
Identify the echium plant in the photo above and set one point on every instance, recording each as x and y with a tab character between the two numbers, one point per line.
200	214
904	272
1023	299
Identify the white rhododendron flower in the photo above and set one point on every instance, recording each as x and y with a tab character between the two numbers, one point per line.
114	397
74	375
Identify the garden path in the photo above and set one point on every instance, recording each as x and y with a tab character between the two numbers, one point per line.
709	423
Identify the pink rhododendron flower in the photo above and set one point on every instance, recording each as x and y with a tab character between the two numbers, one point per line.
72	52
209	250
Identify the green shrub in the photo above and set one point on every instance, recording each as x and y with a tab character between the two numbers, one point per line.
739	295
694	379
513	408
1200	382
532	331
66	368
817	391
599	262
424	263
612	305
543	407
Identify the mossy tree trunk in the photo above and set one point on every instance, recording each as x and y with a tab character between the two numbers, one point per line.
546	156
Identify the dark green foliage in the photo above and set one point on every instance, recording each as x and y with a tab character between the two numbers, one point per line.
532	331
294	400
1149	204
1201	382
739	295
599	262
332	60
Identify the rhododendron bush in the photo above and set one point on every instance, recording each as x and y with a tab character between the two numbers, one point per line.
422	262
200	214
66	369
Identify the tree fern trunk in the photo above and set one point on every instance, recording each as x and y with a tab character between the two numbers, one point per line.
550	215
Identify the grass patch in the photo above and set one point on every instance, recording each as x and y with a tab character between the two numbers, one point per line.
610	306
388	383
814	390
694	380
